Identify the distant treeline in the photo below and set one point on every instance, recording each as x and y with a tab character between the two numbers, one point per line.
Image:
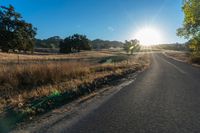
54	43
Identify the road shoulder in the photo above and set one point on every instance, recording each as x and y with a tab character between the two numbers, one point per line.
70	113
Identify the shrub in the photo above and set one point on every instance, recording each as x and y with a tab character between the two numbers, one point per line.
195	59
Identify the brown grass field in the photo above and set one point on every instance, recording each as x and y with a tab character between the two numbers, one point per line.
41	57
184	57
25	79
181	56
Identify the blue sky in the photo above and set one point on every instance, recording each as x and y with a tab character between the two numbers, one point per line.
105	19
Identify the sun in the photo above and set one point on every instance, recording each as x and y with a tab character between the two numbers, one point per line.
149	36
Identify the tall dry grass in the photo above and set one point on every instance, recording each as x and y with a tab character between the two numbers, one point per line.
17	78
38	57
20	83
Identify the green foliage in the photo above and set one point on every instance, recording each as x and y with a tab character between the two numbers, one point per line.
194	45
132	46
74	43
15	33
191	25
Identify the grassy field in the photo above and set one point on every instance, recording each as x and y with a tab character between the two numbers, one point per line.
184	57
43	57
34	84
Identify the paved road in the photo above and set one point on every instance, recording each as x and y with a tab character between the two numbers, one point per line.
164	99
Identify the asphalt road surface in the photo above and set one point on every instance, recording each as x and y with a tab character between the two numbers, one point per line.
163	99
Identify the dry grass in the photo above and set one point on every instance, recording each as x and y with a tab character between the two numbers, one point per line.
38	84
27	77
182	56
38	57
185	57
21	83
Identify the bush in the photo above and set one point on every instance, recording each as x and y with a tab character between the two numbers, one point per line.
195	59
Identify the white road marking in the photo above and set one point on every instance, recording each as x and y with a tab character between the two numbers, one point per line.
177	68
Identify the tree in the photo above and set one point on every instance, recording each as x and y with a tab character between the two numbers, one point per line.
15	33
191	25
66	45
194	45
132	46
74	43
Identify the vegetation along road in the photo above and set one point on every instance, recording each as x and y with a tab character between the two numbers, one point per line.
163	99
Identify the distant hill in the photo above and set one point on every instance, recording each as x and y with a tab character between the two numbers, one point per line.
52	42
105	44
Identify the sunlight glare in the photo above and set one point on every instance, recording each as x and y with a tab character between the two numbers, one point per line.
149	36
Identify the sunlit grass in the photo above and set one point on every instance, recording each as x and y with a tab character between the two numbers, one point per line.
20	83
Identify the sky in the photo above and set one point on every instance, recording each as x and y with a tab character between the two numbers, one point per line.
105	19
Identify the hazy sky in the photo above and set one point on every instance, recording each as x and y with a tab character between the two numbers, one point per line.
105	19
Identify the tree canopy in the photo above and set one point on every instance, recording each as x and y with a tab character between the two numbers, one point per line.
191	24
15	33
74	43
132	46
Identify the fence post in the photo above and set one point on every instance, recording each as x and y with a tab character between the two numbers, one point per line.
18	59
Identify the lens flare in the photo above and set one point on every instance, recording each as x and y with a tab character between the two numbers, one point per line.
149	36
